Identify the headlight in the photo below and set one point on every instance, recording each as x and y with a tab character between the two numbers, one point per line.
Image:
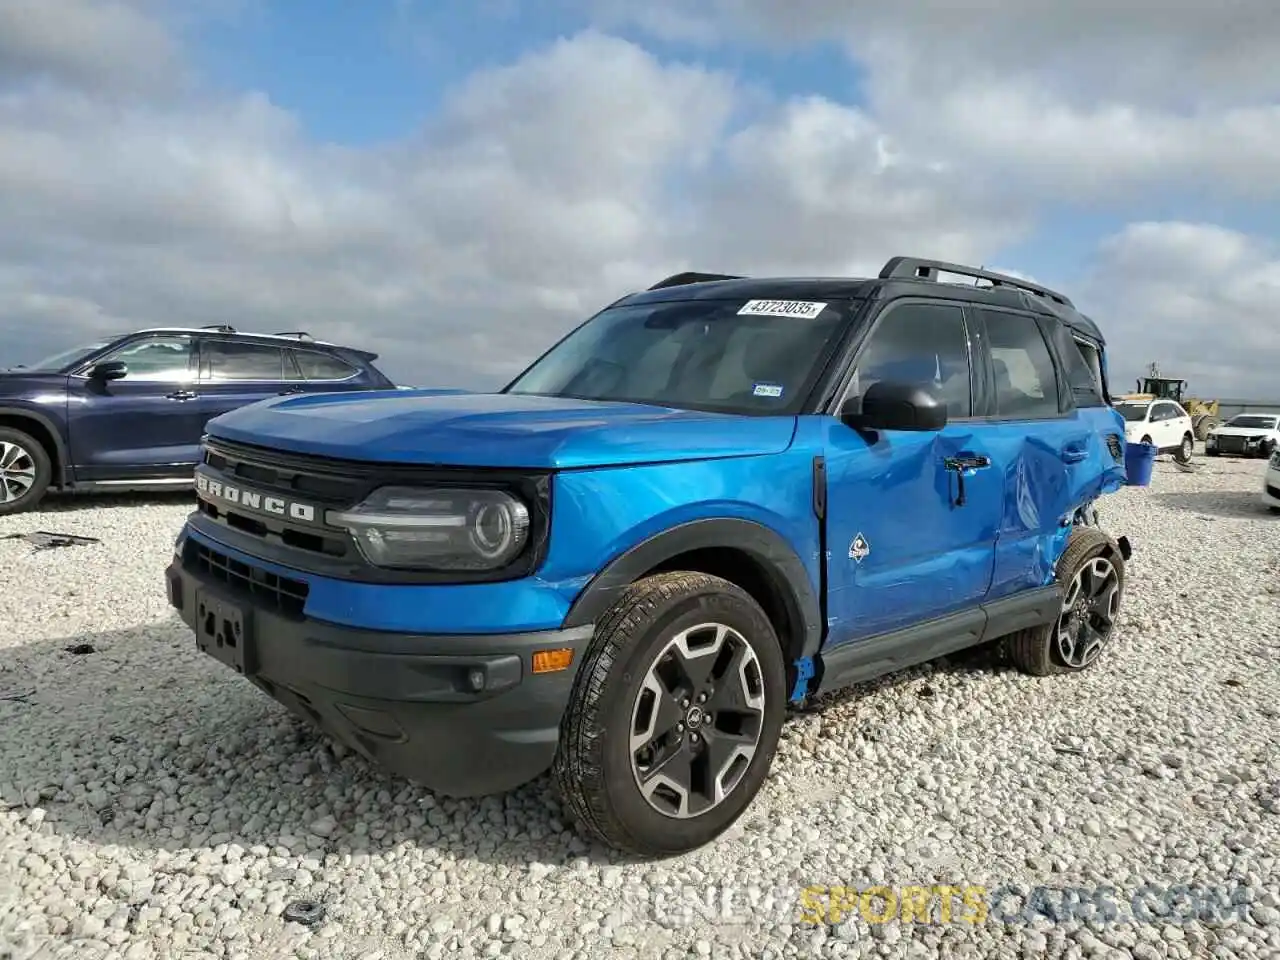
446	529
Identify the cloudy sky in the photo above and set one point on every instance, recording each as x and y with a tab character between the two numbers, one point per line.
454	183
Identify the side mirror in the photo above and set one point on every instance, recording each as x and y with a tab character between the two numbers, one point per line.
895	406
109	370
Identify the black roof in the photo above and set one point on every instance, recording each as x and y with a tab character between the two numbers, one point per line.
900	275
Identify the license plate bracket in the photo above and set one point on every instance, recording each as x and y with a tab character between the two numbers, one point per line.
223	631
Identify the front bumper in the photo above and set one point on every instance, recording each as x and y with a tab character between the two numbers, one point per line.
463	716
1236	446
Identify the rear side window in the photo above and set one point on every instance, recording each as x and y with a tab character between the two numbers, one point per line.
1085	389
230	360
1026	382
322	366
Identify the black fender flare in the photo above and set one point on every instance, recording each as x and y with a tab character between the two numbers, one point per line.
63	472
765	546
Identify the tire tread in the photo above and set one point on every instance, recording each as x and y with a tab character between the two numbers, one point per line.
578	770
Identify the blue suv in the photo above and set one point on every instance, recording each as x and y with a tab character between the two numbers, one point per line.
711	501
128	412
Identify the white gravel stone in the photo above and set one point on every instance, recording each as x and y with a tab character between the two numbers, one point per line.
153	804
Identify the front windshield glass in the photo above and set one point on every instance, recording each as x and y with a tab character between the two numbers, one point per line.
735	356
1133	412
66	358
1253	422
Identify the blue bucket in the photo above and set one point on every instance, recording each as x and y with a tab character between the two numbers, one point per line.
1139	463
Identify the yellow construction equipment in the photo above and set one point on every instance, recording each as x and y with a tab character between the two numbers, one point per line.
1204	413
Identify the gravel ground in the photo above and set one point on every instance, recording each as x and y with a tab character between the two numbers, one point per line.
152	804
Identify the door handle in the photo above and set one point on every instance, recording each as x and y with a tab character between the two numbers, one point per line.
1074	454
961	463
181	395
285	393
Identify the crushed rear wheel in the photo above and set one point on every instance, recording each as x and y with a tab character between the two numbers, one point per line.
675	715
1092	574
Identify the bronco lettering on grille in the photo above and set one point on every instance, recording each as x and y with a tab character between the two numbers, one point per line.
225	493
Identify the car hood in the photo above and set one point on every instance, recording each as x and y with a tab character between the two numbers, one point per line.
20	383
496	430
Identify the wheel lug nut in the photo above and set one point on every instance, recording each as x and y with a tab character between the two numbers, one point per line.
684	702
680	727
702	698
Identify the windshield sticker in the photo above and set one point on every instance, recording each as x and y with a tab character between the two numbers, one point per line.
782	308
767	390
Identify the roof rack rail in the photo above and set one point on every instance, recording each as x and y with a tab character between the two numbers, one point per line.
220	327
300	334
680	279
916	268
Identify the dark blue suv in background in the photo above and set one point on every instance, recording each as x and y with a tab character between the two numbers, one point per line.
128	412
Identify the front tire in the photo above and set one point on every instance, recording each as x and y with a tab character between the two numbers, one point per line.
1092	574
25	471
675	715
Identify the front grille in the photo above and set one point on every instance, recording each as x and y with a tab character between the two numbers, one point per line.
291	478
1231	444
282	594
272	504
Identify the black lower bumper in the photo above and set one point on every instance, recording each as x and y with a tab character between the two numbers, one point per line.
461	715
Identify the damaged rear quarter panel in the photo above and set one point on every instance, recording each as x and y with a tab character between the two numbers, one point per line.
1045	485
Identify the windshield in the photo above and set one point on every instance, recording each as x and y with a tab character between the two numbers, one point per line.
733	356
1253	422
1133	412
66	358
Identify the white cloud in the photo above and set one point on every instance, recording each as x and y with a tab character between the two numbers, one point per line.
589	168
104	44
542	191
1198	299
1088	101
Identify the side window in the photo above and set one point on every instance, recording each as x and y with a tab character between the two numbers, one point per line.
231	360
1026	382
322	366
1159	412
166	359
920	343
1085	389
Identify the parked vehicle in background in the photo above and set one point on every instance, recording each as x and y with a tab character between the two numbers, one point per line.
1245	435
127	413
714	499
1271	483
1161	422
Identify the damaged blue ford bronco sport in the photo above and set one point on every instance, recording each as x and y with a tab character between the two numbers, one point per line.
713	500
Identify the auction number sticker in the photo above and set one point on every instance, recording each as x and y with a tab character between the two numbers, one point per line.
782	308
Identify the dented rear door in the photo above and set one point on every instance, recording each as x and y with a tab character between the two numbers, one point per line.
1048	439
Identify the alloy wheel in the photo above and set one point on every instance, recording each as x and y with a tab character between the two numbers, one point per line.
697	720
1088	615
17	472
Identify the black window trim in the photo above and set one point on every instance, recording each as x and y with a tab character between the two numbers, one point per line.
866	330
102	356
1066	405
294	352
204	342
